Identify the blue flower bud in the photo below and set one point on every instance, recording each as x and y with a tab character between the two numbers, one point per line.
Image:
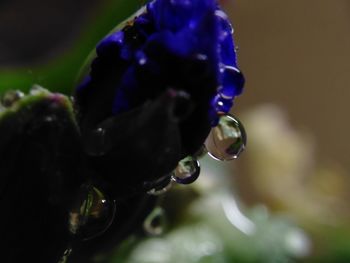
169	47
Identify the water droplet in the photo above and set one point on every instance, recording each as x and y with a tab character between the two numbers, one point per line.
187	171
142	61
92	213
160	186
221	14
233	82
154	223
227	140
141	58
225	22
201	57
10	97
50	118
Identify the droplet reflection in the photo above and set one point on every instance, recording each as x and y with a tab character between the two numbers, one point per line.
92	213
227	140
187	171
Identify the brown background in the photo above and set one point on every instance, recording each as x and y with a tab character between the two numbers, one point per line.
296	54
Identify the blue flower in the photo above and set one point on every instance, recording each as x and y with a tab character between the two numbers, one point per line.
184	46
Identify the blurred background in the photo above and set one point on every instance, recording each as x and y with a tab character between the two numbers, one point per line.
289	193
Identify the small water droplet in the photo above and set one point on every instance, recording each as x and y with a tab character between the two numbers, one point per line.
233	82
49	118
227	25
221	14
160	186
141	58
92	213
154	223
221	105
227	140
201	57
11	97
187	171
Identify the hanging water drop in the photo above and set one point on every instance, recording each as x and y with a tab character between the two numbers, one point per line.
187	171
232	82
154	223
227	140
91	214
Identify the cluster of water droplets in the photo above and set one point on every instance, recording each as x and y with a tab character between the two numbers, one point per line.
226	141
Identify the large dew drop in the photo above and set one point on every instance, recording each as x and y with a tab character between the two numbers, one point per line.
92	213
227	140
187	171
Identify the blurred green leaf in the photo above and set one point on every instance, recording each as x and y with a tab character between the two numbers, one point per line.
61	73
